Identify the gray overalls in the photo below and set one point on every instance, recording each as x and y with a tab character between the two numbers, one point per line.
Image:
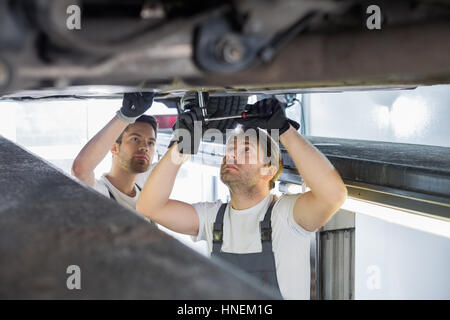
261	264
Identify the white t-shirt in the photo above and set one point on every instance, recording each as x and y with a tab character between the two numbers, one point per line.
290	242
103	185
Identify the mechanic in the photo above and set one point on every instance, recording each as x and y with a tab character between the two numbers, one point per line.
267	237
131	138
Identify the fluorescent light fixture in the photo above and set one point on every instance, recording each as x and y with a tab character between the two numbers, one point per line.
409	116
400	217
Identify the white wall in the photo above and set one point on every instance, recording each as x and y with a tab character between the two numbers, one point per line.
420	116
395	262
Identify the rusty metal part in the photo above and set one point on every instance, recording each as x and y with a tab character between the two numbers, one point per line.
402	55
408	55
413	50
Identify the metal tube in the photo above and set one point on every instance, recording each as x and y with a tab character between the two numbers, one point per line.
254	115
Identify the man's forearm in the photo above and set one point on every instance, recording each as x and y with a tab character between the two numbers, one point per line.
159	185
315	169
97	148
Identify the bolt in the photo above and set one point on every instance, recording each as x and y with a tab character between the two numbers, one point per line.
230	49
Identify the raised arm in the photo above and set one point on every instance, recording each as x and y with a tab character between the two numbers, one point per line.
133	106
153	201
315	207
96	149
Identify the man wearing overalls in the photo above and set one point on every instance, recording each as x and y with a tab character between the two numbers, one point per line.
267	237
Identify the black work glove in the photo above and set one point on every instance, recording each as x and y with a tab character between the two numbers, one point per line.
134	105
275	119
188	131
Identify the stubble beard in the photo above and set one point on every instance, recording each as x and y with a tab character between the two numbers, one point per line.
139	166
240	181
133	165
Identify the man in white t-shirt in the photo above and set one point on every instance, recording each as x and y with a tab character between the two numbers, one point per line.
131	138
267	237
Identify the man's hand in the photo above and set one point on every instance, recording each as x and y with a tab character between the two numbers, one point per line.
276	120
188	131
134	105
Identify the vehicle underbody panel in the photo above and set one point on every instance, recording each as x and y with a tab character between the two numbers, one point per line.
224	46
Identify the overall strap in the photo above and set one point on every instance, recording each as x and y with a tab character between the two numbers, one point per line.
218	229
266	229
111	195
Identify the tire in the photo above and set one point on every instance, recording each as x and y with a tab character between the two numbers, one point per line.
225	106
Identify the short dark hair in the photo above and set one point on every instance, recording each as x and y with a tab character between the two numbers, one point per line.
146	119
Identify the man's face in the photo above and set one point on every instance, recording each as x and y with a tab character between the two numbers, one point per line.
242	164
136	151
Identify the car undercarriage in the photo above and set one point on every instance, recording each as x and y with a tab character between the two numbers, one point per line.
223	46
